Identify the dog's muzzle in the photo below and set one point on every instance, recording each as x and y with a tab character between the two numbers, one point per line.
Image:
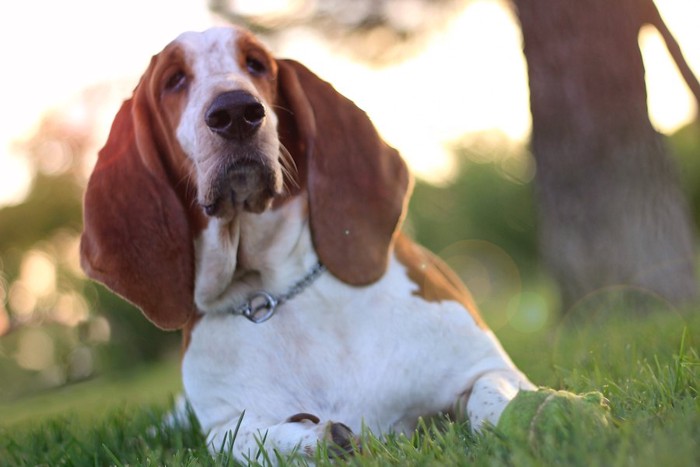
245	178
247	185
235	115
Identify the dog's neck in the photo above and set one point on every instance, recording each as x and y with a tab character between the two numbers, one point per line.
270	251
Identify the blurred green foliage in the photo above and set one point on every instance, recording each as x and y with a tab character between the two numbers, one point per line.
54	203
484	200
134	339
43	348
685	147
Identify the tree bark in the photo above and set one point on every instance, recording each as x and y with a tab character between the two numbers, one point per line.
610	208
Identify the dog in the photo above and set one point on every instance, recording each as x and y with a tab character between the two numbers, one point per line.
243	200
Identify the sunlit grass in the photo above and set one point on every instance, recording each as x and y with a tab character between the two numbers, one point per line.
646	365
92	400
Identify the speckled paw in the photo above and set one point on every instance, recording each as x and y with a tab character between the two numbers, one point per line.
342	442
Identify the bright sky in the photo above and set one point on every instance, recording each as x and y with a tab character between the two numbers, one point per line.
51	50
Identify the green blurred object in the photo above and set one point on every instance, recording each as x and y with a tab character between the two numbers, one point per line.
547	418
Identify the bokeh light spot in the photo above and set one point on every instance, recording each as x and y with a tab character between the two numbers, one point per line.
528	312
22	302
38	273
35	350
70	309
489	272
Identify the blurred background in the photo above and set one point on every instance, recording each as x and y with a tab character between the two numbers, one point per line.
446	82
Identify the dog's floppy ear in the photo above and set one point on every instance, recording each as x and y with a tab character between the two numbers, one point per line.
136	236
357	184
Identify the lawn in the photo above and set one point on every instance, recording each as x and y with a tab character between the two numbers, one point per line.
646	364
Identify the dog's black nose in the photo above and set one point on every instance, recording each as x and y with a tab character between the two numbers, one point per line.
235	115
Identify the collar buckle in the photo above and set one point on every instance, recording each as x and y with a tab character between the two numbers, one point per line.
260	307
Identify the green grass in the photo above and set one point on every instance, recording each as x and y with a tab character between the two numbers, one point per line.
89	400
646	365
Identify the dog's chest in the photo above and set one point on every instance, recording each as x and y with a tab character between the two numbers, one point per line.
377	355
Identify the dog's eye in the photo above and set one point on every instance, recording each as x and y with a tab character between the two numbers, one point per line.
176	81
255	66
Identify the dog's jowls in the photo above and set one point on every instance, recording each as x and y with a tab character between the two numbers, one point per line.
231	172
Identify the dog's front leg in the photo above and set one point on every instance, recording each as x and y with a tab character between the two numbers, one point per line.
490	395
249	438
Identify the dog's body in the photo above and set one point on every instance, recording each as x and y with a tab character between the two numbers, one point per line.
229	173
378	355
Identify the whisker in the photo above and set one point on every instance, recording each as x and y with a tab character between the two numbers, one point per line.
289	111
186	179
289	169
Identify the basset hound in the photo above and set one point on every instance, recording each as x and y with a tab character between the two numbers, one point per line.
242	199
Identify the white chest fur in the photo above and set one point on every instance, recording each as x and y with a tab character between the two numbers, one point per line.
378	355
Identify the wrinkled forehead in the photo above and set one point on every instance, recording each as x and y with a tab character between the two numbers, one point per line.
219	58
215	43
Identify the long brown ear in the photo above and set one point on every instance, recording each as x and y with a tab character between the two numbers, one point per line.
136	236
357	183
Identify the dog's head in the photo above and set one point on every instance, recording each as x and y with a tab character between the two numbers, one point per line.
218	126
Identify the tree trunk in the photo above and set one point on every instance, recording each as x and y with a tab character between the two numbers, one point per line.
610	208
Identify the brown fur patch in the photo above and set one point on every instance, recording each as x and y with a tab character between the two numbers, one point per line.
435	280
187	330
247	46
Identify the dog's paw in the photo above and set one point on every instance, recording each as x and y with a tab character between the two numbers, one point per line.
341	441
338	437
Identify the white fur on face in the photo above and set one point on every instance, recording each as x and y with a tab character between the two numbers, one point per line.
213	67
